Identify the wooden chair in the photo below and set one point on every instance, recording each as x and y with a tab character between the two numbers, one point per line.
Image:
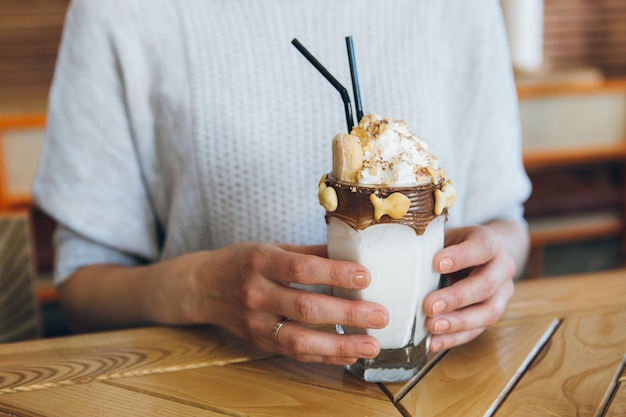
19	312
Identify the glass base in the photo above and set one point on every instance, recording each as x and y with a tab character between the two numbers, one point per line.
392	365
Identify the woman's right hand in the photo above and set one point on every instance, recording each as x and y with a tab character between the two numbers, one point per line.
246	289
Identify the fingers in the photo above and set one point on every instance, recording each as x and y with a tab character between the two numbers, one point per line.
462	325
307	269
482	284
447	341
492	268
460	312
263	295
466	248
313	308
270	270
309	345
317	250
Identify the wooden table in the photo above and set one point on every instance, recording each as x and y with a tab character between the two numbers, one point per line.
558	351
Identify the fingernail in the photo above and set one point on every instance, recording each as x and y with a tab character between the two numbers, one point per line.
438	307
360	279
376	318
368	350
436	347
445	265
442	325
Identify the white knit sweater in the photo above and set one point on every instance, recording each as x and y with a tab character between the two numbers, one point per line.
180	125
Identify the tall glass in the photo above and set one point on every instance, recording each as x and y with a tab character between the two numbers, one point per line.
399	253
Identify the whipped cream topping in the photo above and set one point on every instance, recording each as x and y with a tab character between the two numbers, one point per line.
393	155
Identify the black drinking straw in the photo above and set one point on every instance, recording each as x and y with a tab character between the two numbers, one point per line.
355	79
342	90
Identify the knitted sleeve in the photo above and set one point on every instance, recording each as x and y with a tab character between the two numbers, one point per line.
89	179
496	182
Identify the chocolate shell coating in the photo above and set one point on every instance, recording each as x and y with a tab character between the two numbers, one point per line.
355	208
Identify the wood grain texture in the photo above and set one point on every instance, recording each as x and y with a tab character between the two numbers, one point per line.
613	390
566	296
19	314
573	375
397	390
241	391
573	88
617	407
206	371
324	376
586	33
95	399
472	379
30	32
101	356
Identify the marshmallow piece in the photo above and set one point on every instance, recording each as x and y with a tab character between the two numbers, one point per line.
395	206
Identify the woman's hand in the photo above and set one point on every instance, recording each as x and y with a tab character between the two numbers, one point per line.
480	264
246	289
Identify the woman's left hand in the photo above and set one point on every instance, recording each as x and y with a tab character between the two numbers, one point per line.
480	275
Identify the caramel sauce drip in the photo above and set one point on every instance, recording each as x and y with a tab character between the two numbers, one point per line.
356	209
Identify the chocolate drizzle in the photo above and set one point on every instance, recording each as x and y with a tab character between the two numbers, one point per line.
356	209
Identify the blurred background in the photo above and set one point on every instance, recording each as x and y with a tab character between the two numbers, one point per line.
569	58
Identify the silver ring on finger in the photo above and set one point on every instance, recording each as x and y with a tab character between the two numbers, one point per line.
279	324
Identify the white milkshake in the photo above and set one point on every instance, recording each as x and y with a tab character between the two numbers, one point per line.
386	203
404	262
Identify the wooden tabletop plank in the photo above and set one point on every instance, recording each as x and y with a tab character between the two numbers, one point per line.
564	296
472	379
94	399
326	376
617	407
100	356
239	390
613	391
575	372
396	390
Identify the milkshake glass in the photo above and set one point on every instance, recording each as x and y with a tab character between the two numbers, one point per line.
394	230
